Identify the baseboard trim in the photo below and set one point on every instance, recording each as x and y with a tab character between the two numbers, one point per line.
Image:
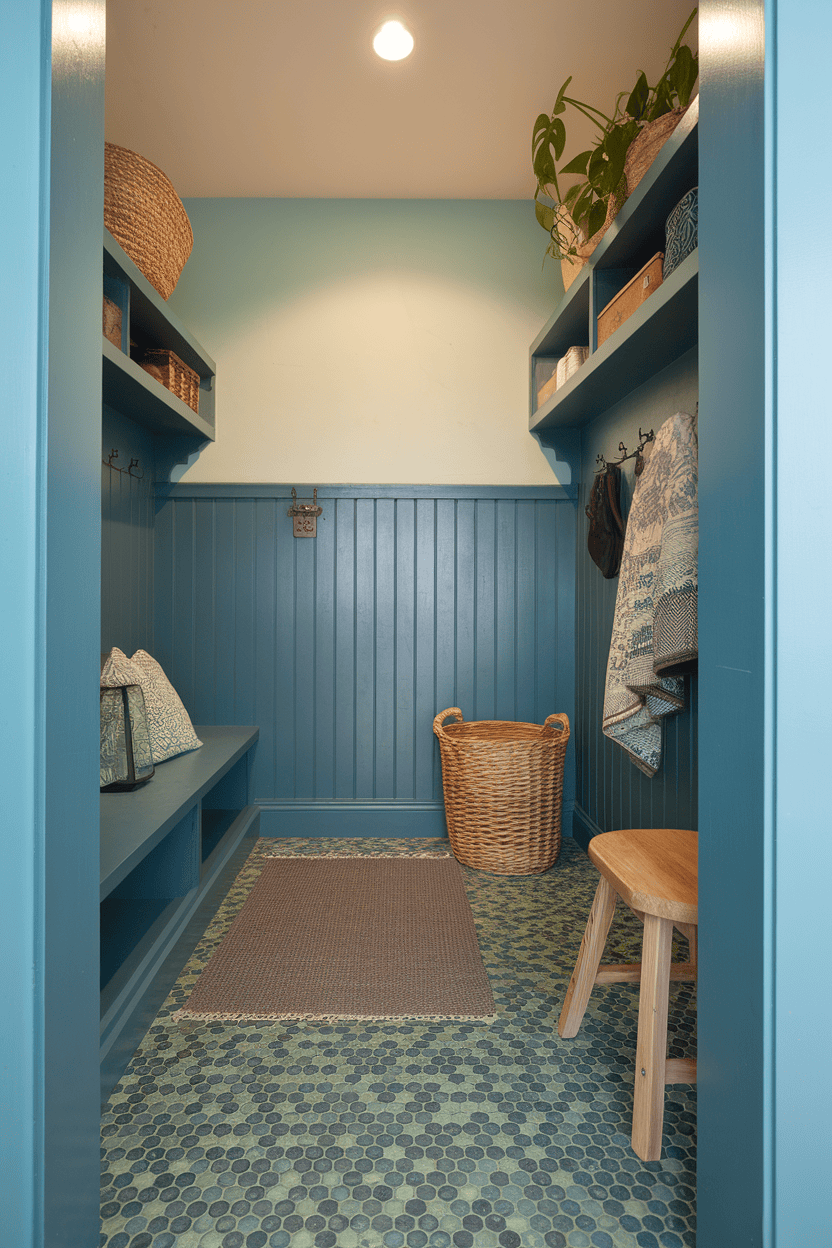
352	819
583	827
364	818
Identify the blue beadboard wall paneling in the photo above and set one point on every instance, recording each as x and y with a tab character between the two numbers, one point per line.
127	517
343	648
611	791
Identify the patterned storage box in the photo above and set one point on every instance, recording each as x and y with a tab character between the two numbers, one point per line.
681	231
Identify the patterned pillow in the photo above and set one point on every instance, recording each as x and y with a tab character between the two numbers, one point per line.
169	725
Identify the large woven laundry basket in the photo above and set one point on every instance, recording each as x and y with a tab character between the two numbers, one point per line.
503	787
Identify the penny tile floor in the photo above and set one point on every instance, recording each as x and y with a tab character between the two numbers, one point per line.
412	1135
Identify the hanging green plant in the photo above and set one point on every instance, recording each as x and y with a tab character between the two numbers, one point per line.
584	209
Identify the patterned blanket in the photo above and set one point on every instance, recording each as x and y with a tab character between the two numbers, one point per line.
654	632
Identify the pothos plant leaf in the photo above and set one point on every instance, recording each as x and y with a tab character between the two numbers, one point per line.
540	127
578	163
544	167
570	198
683	73
639	96
595	168
545	216
597	217
663	101
560	106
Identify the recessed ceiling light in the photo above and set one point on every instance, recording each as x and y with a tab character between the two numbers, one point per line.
393	42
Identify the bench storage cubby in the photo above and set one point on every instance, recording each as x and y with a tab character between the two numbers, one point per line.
169	851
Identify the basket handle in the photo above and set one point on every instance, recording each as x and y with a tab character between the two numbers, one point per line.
555	721
442	716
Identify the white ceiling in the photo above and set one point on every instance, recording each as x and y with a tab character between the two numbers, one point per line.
287	99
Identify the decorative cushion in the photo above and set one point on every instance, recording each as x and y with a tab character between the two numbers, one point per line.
170	727
681	231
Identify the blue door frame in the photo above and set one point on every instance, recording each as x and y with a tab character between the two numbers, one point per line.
765	858
52	88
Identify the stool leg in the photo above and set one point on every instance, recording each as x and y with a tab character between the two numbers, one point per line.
651	1049
589	957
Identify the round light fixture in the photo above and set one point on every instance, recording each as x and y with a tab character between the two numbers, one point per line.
393	42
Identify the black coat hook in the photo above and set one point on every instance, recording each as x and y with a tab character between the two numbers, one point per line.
643	440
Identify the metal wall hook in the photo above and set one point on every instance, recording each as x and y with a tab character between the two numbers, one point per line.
643	440
128	471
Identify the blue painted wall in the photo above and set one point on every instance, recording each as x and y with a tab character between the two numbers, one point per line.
343	648
369	340
611	791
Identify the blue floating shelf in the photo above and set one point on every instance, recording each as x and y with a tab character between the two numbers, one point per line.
659	332
128	388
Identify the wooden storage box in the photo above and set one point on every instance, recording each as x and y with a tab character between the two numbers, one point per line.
628	300
173	374
548	388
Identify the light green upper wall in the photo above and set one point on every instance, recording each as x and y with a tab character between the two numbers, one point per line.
369	340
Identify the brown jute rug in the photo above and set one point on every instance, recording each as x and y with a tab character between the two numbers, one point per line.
348	937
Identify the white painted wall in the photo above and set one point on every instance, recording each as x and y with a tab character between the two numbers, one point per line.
369	341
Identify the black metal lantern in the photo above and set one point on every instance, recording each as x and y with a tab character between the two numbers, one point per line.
126	756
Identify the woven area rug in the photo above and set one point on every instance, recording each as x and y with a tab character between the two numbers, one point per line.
337	937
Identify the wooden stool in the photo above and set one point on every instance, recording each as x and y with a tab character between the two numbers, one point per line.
654	872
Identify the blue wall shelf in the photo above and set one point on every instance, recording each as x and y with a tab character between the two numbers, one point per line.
659	332
149	320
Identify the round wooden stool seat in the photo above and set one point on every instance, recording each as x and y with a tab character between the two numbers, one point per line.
654	872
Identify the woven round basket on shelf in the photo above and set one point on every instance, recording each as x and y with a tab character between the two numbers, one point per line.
503	788
146	217
647	144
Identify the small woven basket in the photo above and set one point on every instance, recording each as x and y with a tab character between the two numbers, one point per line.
174	375
146	217
503	787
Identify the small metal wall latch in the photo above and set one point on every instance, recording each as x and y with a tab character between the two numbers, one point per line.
304	513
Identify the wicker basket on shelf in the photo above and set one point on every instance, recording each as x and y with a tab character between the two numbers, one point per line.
174	375
146	217
503	788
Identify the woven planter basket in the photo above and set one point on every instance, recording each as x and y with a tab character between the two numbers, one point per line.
647	144
146	217
571	266
503	787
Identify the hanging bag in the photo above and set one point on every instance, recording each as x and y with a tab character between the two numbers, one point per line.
605	540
